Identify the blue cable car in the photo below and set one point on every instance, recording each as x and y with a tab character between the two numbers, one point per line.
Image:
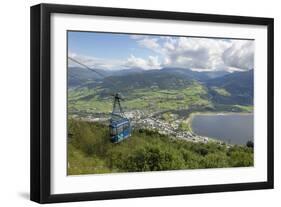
119	126
119	129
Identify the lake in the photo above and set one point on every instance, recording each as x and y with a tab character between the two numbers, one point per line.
231	128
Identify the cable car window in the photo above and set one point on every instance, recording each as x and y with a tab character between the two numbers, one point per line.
126	126
113	131
120	129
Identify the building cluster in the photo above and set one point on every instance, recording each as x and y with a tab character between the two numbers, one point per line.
145	120
166	128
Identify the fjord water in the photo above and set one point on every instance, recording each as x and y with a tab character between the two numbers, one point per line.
230	128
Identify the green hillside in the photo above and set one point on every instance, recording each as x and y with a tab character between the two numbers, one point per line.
161	90
235	88
90	151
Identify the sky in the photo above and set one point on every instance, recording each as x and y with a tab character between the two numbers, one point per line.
114	51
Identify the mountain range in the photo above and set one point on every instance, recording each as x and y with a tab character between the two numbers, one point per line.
222	87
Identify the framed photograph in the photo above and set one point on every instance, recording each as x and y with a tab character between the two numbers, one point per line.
133	103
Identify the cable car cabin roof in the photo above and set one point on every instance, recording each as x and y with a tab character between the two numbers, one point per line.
117	117
118	122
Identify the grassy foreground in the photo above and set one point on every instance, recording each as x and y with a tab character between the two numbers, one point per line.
90	151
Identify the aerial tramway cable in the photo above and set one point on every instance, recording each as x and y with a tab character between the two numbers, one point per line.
93	70
122	122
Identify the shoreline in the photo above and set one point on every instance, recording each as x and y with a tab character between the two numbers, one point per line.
188	121
210	113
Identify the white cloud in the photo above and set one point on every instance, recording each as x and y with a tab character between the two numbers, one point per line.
136	62
240	55
150	43
184	52
202	53
151	62
169	46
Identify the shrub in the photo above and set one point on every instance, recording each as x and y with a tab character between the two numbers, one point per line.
250	144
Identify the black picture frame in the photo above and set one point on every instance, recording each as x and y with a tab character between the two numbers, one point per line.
41	99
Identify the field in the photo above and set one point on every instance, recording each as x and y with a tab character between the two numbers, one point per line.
195	96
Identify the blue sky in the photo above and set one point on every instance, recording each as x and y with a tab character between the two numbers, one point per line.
115	51
105	45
